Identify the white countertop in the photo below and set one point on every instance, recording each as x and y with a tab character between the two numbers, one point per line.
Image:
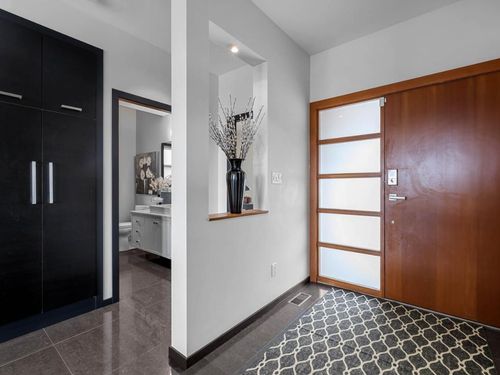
149	213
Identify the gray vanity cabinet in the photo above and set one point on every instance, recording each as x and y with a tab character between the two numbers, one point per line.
152	233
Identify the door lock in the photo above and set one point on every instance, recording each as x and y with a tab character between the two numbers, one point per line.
392	177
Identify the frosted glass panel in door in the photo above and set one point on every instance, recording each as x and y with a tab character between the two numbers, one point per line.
350	230
362	194
349	120
350	157
354	268
167	156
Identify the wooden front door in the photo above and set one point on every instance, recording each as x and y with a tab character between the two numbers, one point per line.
442	244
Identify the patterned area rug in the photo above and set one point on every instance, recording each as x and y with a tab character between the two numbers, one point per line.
350	333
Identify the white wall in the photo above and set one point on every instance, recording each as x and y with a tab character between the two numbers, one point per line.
221	270
152	131
239	84
130	65
460	34
213	165
127	152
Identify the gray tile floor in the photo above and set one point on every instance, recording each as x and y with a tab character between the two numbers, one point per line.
351	333
133	336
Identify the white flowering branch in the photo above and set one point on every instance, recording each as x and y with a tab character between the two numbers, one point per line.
224	131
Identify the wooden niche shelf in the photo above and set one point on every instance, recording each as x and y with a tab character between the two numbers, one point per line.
228	215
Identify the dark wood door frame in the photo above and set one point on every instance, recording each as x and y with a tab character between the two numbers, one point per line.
369	94
118	95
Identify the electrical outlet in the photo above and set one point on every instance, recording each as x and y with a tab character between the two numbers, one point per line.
274	269
277	178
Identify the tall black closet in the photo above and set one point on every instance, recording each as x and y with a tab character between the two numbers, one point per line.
50	119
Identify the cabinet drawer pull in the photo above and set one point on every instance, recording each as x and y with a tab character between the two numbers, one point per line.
155	222
33	183
51	183
11	95
71	108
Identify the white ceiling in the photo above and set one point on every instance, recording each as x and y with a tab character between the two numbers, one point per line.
148	20
317	25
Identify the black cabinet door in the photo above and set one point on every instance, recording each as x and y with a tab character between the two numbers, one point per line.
69	261
20	64
20	217
69	78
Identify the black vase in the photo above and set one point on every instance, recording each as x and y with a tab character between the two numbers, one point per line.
235	179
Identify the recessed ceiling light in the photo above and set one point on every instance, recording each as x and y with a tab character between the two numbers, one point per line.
235	49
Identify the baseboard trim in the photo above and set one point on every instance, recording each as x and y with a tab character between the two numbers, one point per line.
106	302
181	362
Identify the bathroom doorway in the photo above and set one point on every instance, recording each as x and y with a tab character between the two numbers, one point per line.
141	213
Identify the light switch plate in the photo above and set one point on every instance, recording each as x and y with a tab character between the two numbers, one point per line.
274	269
277	178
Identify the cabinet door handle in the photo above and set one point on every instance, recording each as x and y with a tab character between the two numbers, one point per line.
33	183
11	95
51	182
155	222
71	108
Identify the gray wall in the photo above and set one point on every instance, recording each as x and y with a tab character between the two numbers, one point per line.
127	152
140	132
152	131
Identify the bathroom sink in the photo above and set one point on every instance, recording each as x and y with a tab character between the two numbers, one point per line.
164	209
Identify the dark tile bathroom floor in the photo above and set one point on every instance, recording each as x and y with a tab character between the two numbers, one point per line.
133	336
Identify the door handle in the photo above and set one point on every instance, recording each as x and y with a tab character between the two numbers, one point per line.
11	95
394	197
33	183
71	108
51	182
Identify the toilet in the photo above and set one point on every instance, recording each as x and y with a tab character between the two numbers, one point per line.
125	234
125	231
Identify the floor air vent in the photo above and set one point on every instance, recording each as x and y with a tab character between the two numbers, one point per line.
299	299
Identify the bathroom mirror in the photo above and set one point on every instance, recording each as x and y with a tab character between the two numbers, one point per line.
166	159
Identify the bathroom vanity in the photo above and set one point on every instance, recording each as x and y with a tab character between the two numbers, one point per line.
151	230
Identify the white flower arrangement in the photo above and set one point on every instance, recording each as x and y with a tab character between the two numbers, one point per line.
224	131
160	184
